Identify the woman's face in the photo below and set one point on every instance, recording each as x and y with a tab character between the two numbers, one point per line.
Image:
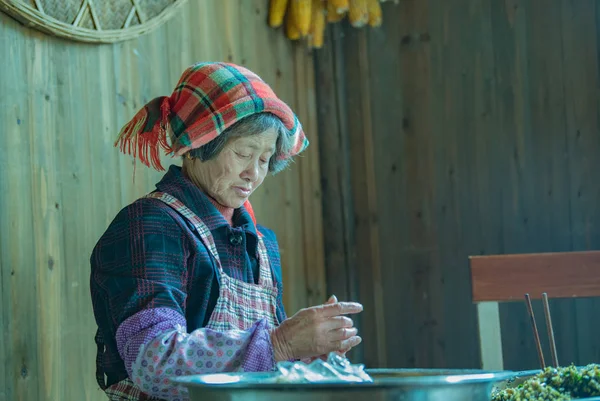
240	168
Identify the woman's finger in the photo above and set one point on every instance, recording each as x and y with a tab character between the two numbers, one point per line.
342	334
337	322
350	343
340	308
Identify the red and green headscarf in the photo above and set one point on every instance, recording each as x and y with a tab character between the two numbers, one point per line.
208	99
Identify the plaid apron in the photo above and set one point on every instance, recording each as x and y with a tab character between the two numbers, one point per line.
239	305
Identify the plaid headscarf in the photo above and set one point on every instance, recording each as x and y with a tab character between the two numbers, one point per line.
209	98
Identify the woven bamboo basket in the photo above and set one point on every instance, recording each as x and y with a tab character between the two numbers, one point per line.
95	21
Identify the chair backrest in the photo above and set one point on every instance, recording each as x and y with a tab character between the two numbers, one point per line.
505	278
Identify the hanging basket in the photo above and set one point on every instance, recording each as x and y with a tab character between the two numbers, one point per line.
95	21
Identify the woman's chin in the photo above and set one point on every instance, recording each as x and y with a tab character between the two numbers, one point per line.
239	205
234	202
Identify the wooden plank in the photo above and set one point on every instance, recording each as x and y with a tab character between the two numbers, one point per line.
310	182
457	128
462	196
73	164
4	324
422	261
439	185
335	171
291	193
211	43
371	198
515	174
337	201
181	51
445	206
580	41
252	14
357	287
19	371
233	28
561	275
47	232
551	211
362	170
482	222
308	249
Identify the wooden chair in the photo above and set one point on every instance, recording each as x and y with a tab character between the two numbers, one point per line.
503	278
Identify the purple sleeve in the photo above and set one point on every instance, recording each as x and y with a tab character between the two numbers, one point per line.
155	346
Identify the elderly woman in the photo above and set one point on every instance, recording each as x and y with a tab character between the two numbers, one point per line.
184	281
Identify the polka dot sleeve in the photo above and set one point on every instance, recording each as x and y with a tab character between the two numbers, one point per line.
175	352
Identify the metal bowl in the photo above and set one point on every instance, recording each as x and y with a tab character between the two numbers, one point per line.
388	385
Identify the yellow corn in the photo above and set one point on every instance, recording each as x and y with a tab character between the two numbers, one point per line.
291	31
374	12
301	11
317	27
277	12
332	12
340	6
358	13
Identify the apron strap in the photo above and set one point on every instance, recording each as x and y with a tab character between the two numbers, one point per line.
190	216
264	266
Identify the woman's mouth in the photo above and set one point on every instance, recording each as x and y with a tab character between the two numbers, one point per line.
243	192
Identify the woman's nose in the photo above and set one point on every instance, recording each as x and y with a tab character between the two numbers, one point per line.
251	172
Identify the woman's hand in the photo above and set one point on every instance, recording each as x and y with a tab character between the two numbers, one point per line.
332	300
317	331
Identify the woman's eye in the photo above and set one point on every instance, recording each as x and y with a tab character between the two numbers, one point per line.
242	155
264	161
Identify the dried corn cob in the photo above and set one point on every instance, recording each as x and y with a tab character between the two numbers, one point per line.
301	11
277	12
340	6
374	12
332	12
317	27
291	31
358	13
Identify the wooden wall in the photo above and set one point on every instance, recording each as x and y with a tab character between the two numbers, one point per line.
62	104
461	128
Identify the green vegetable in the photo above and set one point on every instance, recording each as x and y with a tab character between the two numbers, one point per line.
562	384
